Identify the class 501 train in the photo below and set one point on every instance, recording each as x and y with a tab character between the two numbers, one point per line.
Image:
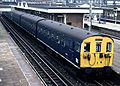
83	49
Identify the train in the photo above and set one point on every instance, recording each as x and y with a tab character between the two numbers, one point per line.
81	48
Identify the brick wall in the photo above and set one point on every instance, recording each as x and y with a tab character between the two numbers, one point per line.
75	20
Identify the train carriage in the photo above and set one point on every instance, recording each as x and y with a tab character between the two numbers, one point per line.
83	49
16	17
29	23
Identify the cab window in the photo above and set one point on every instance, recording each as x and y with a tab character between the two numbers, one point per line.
63	41
87	47
98	47
108	47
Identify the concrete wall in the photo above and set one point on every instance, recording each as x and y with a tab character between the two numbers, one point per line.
75	20
118	15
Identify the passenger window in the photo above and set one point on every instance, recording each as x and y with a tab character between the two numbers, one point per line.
87	47
98	47
41	29
48	33
52	36
72	45
78	47
31	25
57	39
63	42
44	32
108	47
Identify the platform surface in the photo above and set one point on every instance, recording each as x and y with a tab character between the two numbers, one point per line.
116	59
14	70
108	25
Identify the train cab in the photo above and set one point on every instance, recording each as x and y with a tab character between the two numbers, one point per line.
97	52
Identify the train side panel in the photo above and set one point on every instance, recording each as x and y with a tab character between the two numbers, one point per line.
61	44
28	24
65	46
16	17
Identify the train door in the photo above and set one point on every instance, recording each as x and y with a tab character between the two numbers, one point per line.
76	53
90	53
99	53
103	52
71	49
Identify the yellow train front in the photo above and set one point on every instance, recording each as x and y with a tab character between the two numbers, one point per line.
96	53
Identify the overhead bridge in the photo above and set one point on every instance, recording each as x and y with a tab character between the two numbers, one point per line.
5	8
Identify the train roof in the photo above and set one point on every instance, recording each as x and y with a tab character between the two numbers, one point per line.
32	17
29	16
73	32
70	31
17	12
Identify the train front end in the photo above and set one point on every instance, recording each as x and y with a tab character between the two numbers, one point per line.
96	52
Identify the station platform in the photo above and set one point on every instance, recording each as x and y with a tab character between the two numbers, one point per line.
116	58
107	25
14	69
112	28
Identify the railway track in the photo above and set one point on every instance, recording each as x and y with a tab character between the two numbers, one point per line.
114	81
59	67
47	74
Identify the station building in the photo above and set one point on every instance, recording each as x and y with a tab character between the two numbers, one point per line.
72	12
74	16
111	13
